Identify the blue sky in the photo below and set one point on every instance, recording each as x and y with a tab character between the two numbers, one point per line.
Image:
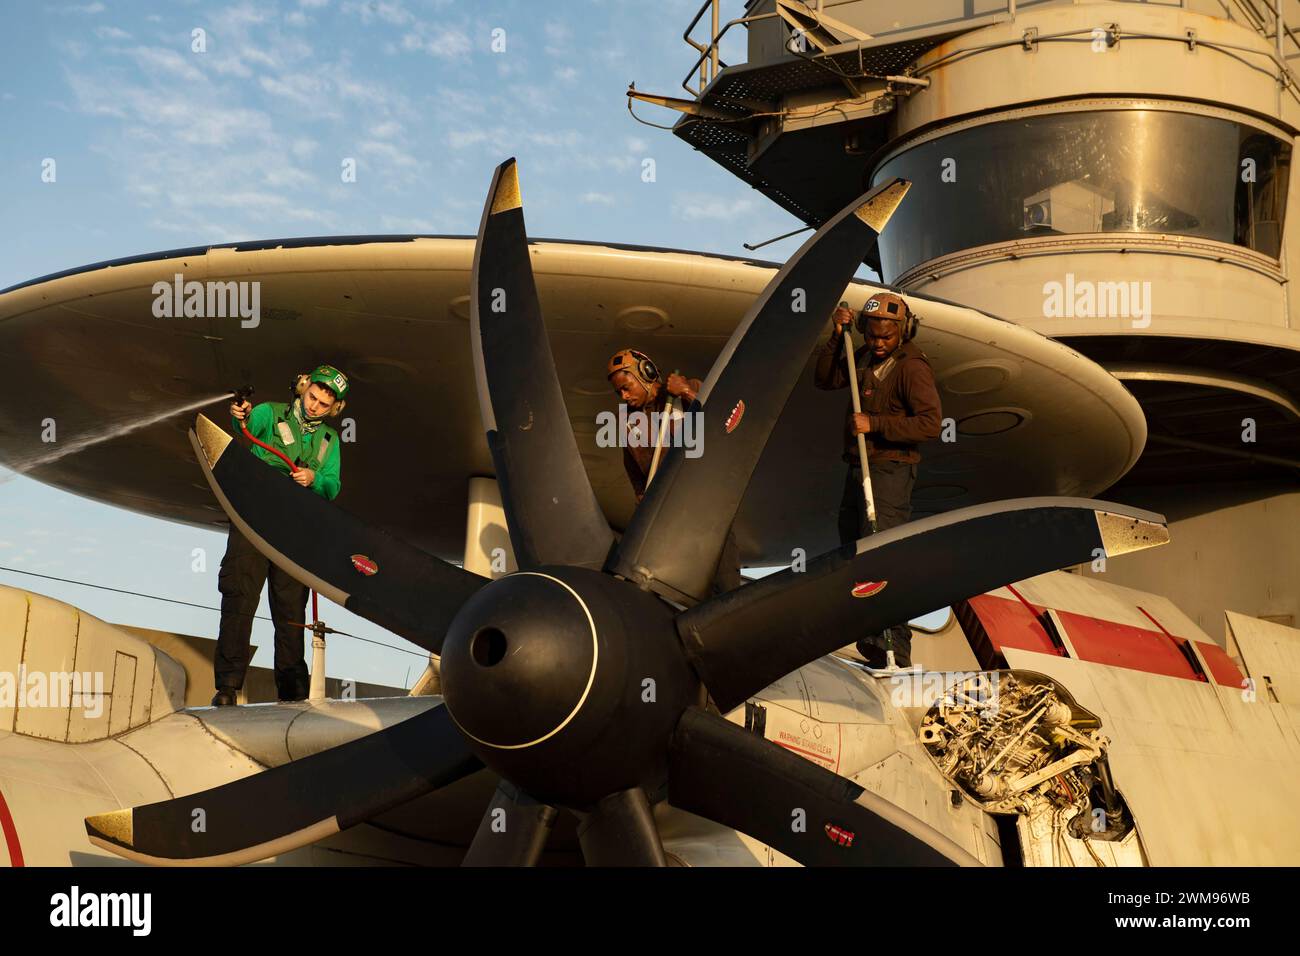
157	146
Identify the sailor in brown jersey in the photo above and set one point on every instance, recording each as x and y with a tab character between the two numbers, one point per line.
641	387
900	409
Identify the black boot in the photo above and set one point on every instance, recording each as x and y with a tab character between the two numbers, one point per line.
226	697
292	691
872	652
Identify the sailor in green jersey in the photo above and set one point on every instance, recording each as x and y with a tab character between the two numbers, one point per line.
298	430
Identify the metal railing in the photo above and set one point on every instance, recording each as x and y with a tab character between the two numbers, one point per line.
709	63
1265	17
1266	26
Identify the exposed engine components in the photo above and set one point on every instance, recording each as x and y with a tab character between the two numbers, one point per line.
1017	743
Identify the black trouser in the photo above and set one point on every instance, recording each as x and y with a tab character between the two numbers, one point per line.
243	572
891	487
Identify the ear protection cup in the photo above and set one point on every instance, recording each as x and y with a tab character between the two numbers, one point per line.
649	372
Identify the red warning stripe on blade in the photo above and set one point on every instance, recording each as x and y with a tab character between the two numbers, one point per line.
868	588
839	835
736	415
364	565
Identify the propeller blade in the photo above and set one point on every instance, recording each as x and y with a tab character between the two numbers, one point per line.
513	831
372	574
621	831
677	533
742	641
736	778
551	511
295	804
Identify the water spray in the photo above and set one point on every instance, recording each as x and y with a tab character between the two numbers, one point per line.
135	423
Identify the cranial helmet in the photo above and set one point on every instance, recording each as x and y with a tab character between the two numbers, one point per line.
332	379
886	305
637	364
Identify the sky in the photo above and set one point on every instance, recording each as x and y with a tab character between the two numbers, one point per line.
185	123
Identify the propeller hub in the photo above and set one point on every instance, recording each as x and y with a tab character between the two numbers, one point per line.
519	660
567	682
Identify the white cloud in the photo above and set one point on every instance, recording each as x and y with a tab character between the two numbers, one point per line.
361	91
310	92
694	207
163	63
287	177
388	153
111	33
598	199
445	44
571	138
460	138
227	65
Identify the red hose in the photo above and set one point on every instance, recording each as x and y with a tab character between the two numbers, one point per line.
274	451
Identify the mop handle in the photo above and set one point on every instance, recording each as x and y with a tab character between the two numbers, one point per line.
857	410
659	446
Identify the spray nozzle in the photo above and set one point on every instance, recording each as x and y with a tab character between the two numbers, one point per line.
242	394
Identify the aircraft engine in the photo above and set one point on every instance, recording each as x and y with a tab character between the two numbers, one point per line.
1017	743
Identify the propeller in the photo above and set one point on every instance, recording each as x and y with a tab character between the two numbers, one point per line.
580	679
742	641
551	511
287	807
793	805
